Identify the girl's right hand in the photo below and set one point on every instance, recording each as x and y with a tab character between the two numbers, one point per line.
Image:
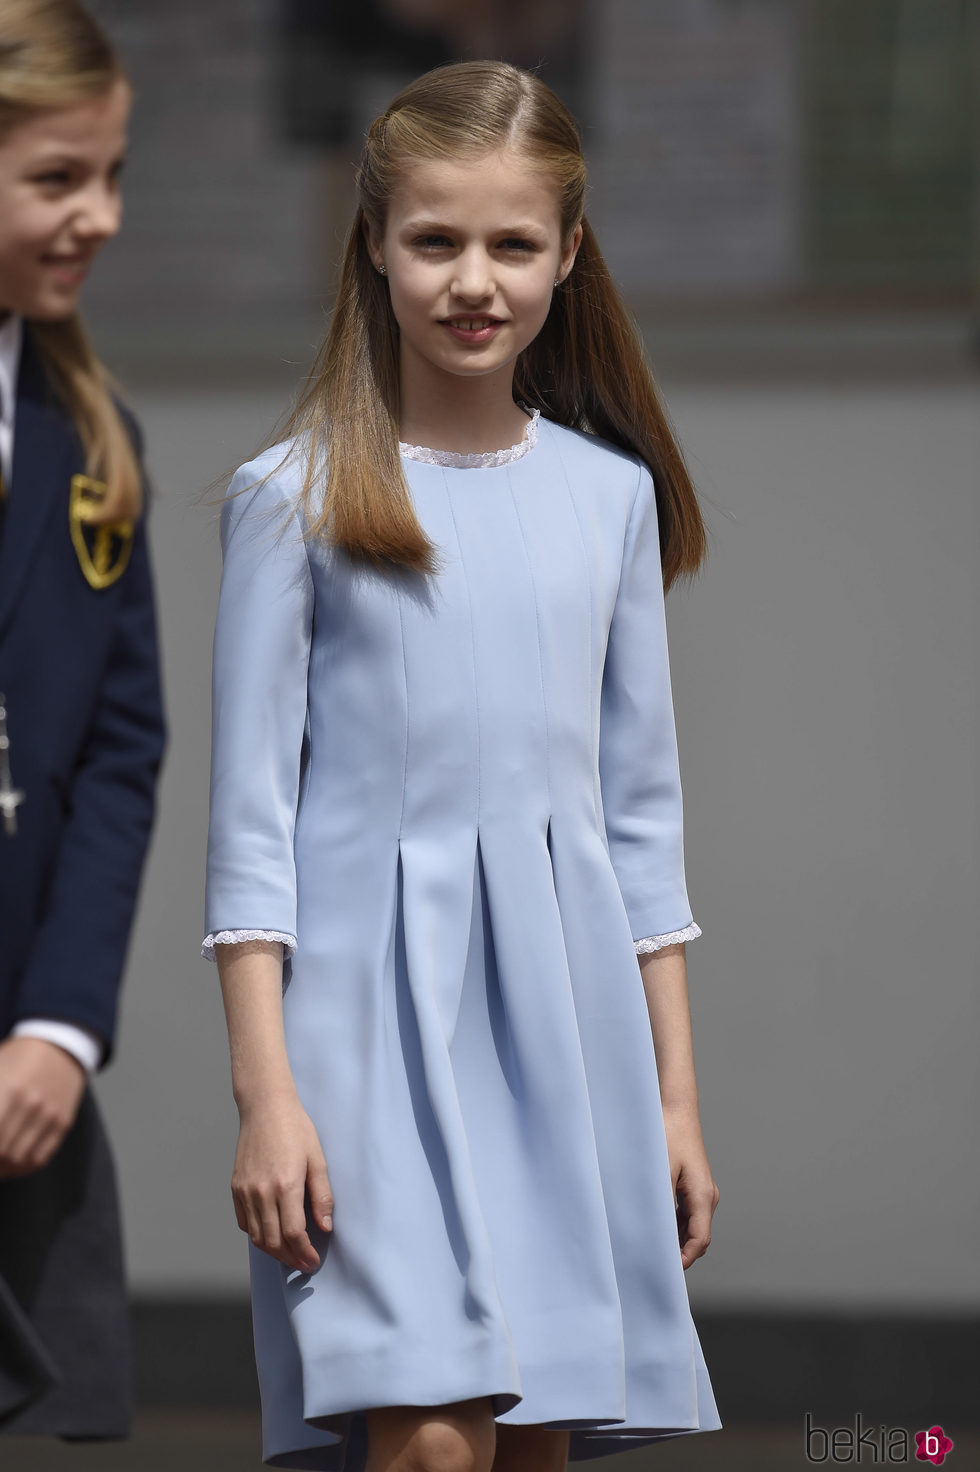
277	1160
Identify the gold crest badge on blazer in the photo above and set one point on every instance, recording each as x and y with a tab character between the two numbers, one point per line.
102	548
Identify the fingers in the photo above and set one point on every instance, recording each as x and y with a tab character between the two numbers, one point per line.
271	1209
694	1215
32	1147
296	1249
321	1196
30	1151
695	1236
273	1215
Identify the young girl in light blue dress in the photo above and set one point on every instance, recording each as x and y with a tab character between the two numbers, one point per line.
445	821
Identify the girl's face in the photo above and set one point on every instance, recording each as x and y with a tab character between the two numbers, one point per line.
60	201
472	250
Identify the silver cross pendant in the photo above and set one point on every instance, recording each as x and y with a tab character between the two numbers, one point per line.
10	796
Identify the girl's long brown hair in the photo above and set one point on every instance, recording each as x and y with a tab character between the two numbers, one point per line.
52	56
586	368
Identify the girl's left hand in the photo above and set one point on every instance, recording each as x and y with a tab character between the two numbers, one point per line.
694	1186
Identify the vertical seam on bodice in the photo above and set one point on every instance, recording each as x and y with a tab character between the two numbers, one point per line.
408	716
295	519
306	772
593	743
537	626
476	682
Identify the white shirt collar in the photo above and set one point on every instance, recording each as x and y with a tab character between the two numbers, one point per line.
11	339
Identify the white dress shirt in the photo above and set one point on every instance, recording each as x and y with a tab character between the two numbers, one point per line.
80	1042
11	332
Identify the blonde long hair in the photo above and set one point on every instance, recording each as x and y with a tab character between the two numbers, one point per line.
585	369
53	55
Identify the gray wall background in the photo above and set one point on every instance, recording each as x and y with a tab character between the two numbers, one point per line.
824	666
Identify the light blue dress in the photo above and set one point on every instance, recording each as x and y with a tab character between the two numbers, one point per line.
461	795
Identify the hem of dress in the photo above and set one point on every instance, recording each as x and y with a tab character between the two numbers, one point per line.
586	1442
344	1436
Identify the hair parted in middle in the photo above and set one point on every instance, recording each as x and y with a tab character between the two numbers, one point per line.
586	368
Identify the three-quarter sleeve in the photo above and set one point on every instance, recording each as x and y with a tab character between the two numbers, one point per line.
259	708
638	764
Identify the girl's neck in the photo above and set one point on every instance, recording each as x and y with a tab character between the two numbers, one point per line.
461	415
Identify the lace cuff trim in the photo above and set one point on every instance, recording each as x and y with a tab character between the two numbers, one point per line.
476	462
232	937
657	942
288	942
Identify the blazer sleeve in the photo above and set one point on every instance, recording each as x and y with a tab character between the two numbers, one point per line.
259	732
76	964
638	763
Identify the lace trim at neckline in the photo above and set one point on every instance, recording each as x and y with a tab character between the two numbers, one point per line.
476	462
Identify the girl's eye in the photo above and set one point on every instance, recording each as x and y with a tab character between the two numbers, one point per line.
56	176
439	242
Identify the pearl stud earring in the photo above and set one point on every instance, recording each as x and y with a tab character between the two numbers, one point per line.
383	270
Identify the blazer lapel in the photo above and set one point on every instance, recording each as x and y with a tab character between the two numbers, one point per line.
45	452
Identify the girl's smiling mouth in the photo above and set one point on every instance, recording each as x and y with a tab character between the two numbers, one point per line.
69	268
472	329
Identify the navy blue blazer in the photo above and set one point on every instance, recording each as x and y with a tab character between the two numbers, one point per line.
79	667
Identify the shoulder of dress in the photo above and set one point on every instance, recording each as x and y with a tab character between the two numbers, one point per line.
594	453
271	481
283	463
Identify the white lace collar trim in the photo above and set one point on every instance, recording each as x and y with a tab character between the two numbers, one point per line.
476	462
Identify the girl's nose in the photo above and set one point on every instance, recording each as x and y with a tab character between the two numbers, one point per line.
101	213
474	279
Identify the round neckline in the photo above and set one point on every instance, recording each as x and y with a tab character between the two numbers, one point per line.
486	460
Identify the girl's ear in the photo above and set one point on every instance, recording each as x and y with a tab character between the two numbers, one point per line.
373	244
569	252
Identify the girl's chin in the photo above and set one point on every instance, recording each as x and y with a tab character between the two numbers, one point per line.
51	306
475	364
